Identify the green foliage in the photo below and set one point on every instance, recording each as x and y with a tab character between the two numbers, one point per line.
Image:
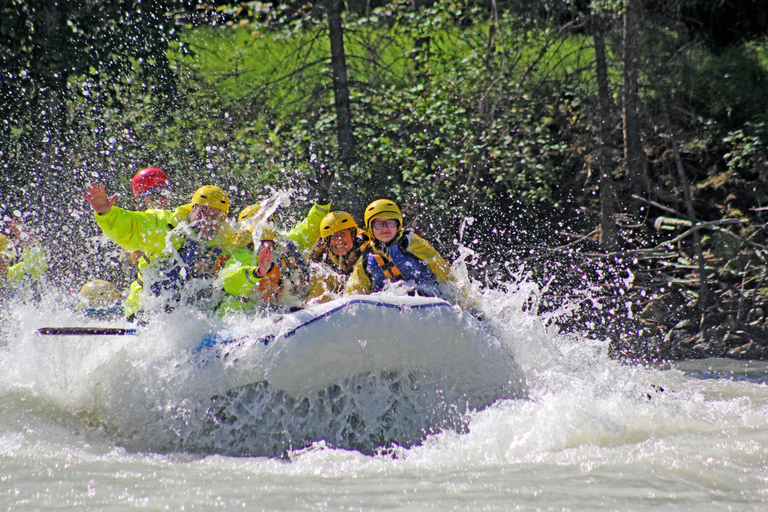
749	147
730	88
66	70
454	105
482	118
247	67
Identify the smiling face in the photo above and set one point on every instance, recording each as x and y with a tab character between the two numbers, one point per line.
384	230
341	242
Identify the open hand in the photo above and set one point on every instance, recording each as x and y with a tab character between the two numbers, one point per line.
96	195
265	260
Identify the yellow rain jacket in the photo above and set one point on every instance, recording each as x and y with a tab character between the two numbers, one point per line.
148	231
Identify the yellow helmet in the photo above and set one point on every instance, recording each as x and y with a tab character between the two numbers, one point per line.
7	250
252	211
269	232
383	209
335	222
99	293
213	196
249	212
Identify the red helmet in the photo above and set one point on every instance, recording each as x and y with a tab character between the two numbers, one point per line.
147	180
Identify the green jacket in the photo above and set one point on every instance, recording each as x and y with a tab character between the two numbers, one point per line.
30	267
305	233
239	274
151	232
140	231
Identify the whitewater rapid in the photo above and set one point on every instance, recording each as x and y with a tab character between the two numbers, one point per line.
591	433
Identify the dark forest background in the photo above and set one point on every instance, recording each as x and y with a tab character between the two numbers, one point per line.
614	151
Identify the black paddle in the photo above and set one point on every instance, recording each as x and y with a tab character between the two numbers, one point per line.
86	331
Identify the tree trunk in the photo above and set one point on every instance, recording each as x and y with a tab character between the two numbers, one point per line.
685	185
634	155
421	49
608	231
340	84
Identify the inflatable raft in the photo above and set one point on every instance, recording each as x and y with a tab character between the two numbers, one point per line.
314	348
361	372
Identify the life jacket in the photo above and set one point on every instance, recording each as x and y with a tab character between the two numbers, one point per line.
181	268
394	262
288	272
103	313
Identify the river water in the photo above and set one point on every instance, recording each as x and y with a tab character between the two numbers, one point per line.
590	434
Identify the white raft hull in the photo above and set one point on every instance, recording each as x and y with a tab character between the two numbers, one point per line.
312	349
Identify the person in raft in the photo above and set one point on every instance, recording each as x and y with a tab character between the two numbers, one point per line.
341	243
269	272
396	255
178	248
151	191
22	260
99	299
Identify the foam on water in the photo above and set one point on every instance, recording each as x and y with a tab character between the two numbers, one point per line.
590	430
155	392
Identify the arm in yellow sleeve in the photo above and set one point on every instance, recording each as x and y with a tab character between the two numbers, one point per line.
305	234
442	271
359	283
425	252
136	231
239	273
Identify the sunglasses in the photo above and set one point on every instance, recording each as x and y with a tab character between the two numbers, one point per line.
379	224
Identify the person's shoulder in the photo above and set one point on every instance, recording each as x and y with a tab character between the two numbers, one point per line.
179	214
243	255
415	243
409	238
412	236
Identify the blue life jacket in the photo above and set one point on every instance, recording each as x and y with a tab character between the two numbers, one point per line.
180	269
113	311
293	260
400	265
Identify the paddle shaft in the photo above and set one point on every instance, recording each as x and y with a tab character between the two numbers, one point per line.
86	331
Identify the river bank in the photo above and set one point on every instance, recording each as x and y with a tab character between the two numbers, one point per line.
647	298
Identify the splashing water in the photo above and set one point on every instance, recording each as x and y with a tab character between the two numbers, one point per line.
156	391
589	433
